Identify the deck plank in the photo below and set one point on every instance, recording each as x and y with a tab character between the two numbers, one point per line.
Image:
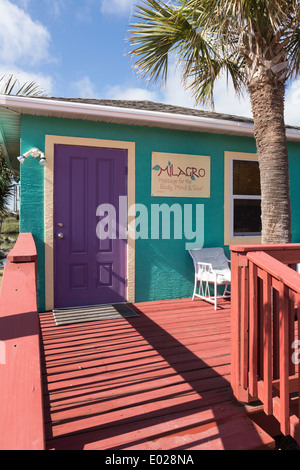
157	381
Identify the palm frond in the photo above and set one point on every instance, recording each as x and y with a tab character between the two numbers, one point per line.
163	30
154	36
10	85
295	54
212	37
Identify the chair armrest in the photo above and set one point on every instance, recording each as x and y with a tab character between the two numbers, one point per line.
204	267
203	264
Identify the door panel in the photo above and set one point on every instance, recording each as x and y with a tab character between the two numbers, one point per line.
88	271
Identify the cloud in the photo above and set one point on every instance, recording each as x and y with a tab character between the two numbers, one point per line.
56	7
85	88
116	7
22	40
226	100
127	93
174	91
85	12
45	82
24	44
292	103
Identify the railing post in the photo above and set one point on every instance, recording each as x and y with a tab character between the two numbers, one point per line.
267	344
253	333
235	314
244	328
284	359
239	326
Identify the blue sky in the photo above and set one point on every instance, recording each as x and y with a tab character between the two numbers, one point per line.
72	47
77	48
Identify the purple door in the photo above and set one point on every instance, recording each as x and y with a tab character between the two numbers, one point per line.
88	270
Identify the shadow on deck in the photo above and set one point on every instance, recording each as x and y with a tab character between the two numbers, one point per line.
159	381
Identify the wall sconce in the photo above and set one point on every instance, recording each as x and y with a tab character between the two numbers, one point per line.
43	160
35	153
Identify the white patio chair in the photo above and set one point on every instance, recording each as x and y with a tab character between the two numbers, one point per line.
211	267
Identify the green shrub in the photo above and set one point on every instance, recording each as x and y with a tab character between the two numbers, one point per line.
10	225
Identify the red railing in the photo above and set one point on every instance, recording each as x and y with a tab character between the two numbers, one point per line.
265	317
21	405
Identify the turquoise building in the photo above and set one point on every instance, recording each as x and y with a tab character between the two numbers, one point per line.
181	177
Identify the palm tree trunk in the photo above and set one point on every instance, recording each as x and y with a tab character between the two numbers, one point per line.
267	100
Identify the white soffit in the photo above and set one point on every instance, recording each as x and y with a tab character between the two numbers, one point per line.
10	136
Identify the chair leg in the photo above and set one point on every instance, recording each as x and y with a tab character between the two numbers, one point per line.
225	290
226	293
195	288
215	302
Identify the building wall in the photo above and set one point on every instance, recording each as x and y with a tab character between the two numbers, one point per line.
163	267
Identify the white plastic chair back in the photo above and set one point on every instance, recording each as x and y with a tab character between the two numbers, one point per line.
215	256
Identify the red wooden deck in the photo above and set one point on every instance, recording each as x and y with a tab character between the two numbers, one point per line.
159	381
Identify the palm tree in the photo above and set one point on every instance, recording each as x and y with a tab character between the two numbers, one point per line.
256	43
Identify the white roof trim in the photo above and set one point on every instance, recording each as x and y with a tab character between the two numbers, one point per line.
44	106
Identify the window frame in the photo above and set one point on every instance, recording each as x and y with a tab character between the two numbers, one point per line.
229	197
233	197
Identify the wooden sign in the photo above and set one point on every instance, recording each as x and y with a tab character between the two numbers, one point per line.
176	175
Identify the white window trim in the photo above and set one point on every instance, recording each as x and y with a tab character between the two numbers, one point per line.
229	238
241	196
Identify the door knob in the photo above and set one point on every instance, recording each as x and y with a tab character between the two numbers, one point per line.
60	235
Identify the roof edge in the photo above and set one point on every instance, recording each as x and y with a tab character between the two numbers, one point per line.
21	104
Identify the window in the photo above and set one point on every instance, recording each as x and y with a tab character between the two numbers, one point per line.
242	199
245	198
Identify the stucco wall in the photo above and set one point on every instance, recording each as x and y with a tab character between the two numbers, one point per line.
163	267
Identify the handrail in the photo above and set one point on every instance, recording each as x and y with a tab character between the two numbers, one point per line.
21	404
288	253
276	269
24	249
266	248
265	297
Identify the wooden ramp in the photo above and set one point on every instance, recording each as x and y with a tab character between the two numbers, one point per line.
158	381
